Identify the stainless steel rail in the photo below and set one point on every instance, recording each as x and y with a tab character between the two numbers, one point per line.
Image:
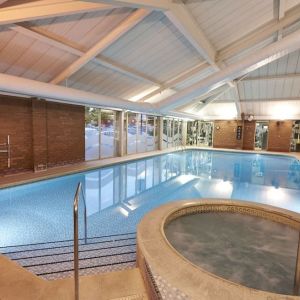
76	238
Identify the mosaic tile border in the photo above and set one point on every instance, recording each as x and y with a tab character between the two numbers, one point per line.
232	208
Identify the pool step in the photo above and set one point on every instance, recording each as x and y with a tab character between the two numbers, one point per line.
55	260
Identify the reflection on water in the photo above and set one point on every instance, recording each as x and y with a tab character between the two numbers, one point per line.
117	197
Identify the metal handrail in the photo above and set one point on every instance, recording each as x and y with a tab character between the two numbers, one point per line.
76	239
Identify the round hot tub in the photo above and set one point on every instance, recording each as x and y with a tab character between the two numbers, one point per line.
219	249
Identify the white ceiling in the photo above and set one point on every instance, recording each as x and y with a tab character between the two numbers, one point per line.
157	55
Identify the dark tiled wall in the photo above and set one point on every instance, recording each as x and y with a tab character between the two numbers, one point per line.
42	133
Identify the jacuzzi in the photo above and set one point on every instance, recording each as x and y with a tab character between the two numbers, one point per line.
218	249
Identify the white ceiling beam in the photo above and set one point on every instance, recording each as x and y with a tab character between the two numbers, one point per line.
278	9
244	66
185	115
184	21
197	102
271	100
66	45
259	35
272	77
278	13
34	88
237	99
260	100
147	4
176	80
211	99
104	43
47	9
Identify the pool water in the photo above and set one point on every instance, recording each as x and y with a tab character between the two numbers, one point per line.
117	197
248	250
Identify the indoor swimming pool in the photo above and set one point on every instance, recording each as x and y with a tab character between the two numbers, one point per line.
118	196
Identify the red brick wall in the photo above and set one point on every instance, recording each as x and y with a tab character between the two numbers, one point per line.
249	135
42	133
279	136
15	120
66	139
225	136
39	134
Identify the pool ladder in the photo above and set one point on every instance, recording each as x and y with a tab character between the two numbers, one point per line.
76	238
76	244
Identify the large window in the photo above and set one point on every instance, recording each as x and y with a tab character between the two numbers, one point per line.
131	133
108	118
141	133
91	133
99	133
151	133
172	132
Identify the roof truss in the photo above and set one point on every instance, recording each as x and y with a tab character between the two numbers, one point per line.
46	9
65	45
104	43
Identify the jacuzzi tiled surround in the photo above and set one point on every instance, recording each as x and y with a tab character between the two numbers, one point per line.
252	211
213	287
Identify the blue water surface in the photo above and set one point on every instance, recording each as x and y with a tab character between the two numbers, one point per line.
117	197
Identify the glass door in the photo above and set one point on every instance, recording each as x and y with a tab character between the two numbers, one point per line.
132	133
261	135
205	134
91	133
107	139
295	138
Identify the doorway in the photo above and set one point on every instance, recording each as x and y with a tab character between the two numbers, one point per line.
261	135
200	133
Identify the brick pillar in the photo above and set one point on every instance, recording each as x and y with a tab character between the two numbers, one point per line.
39	134
249	135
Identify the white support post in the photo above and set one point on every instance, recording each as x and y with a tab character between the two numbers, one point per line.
160	121
121	137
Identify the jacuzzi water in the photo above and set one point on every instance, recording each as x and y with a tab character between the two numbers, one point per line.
248	250
117	197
